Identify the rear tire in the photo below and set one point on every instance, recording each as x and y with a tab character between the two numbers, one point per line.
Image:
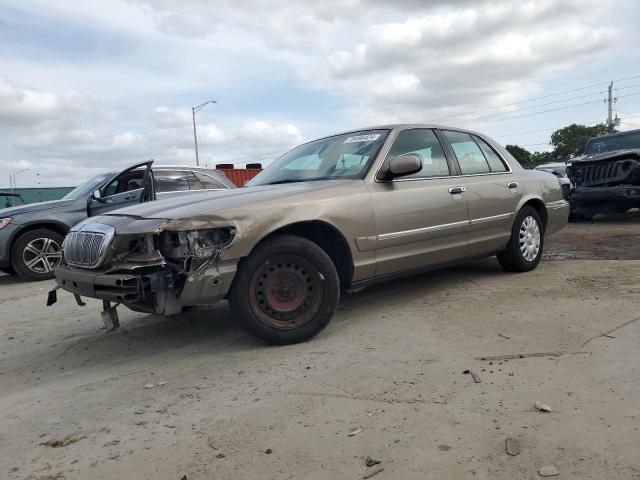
524	250
36	253
286	291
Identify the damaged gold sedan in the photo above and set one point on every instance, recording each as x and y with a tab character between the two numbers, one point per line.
332	215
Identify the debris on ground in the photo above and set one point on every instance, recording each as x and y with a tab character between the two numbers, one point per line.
353	433
444	448
149	385
220	455
370	461
475	376
373	472
211	443
542	407
160	384
268	451
111	443
512	446
504	336
63	442
548	471
139	411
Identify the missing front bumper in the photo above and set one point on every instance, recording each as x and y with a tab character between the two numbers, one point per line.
157	291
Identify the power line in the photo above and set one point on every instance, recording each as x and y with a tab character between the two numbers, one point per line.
554	109
532	99
534	106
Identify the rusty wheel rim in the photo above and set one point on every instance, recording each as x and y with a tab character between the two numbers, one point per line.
285	292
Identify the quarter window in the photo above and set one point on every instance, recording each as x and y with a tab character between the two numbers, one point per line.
495	163
208	182
468	153
425	144
171	181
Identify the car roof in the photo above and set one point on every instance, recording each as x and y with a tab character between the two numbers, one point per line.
402	126
617	134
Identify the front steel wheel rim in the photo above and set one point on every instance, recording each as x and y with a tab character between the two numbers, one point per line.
42	255
285	292
529	239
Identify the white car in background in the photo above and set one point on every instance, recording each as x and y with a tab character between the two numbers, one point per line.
559	169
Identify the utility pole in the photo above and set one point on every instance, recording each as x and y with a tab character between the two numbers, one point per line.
610	106
195	133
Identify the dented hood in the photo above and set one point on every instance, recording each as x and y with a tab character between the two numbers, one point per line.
203	210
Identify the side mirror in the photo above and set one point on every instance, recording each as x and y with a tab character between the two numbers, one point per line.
406	164
96	195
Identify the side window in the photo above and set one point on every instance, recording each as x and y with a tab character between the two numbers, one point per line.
170	181
208	182
194	183
424	143
470	157
495	163
128	181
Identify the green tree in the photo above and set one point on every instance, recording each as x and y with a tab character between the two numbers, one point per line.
569	142
521	154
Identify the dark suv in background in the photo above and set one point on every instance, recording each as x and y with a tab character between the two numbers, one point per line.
31	235
606	179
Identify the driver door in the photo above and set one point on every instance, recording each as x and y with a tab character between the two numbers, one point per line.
131	186
422	219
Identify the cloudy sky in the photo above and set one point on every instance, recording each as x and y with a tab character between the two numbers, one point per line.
90	86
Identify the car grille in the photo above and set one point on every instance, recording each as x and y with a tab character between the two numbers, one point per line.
600	173
87	246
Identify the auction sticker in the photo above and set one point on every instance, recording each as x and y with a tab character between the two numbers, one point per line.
363	138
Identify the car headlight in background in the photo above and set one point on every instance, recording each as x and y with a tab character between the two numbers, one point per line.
4	222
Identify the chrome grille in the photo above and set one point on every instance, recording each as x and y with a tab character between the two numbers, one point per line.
87	246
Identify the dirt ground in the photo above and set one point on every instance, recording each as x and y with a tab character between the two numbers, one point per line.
73	402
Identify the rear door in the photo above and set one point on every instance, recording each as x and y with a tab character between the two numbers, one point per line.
492	191
421	219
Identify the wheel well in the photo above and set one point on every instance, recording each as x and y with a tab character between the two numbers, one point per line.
56	227
329	240
540	208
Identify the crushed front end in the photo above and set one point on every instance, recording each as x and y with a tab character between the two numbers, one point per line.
158	271
605	183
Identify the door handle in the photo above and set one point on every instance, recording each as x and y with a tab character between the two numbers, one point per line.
454	190
512	184
129	197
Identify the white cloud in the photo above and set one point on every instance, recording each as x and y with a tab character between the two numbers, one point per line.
406	60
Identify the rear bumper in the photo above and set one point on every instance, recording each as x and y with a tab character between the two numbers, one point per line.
557	216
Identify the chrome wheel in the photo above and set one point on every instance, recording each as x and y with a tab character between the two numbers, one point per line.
529	239
42	255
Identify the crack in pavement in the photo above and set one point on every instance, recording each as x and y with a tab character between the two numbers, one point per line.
608	332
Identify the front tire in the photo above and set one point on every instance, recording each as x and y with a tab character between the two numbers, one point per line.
286	291
524	250
36	253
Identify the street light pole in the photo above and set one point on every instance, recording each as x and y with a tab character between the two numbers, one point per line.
195	132
12	176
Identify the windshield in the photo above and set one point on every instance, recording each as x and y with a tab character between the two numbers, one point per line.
337	157
617	142
86	188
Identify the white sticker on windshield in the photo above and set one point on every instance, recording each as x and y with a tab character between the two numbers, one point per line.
363	138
